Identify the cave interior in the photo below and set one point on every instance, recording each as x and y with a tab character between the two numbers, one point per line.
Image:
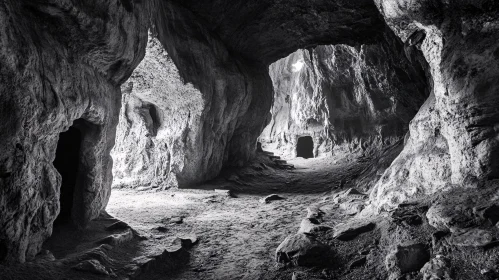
167	139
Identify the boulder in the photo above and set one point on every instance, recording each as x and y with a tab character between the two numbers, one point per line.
350	230
406	258
93	266
470	237
311	225
408	216
270	198
303	250
438	268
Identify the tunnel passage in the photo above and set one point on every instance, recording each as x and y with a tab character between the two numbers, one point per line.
66	162
305	147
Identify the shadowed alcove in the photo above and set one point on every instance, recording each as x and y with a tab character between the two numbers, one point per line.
305	147
67	161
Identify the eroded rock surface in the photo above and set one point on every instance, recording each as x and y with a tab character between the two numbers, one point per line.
304	250
190	108
348	99
406	258
60	61
453	139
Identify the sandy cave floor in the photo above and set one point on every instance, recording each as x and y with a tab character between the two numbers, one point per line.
237	236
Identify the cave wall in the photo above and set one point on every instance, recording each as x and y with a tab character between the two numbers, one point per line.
349	99
265	31
237	92
59	61
454	139
159	123
209	106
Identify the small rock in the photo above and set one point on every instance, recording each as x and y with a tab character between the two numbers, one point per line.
117	239
437	236
118	226
93	266
352	208
310	225
172	220
303	250
358	262
271	198
408	216
349	231
445	215
406	258
185	241
471	237
177	220
227	193
45	256
315	213
160	229
350	201
437	268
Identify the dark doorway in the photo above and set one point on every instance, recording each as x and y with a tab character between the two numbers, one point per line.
66	162
305	147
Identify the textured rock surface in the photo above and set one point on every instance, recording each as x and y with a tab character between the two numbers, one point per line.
302	249
347	98
264	31
59	61
453	140
233	98
438	268
406	258
159	123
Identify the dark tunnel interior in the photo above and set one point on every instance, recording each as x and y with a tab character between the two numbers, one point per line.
66	162
305	147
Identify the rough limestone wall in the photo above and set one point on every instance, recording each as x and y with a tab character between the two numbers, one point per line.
349	99
159	123
209	106
456	133
59	61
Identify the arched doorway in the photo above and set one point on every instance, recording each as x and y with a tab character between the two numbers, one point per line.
67	162
305	147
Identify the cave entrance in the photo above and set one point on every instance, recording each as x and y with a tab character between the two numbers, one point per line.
67	161
305	147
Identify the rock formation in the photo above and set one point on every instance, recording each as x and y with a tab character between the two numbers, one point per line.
63	64
159	123
349	99
60	61
189	122
453	138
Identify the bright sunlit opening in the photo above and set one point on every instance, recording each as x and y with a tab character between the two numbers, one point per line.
297	66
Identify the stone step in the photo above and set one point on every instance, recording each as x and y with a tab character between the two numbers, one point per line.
287	166
268	153
280	161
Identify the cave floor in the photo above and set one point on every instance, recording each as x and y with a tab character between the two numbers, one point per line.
237	236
